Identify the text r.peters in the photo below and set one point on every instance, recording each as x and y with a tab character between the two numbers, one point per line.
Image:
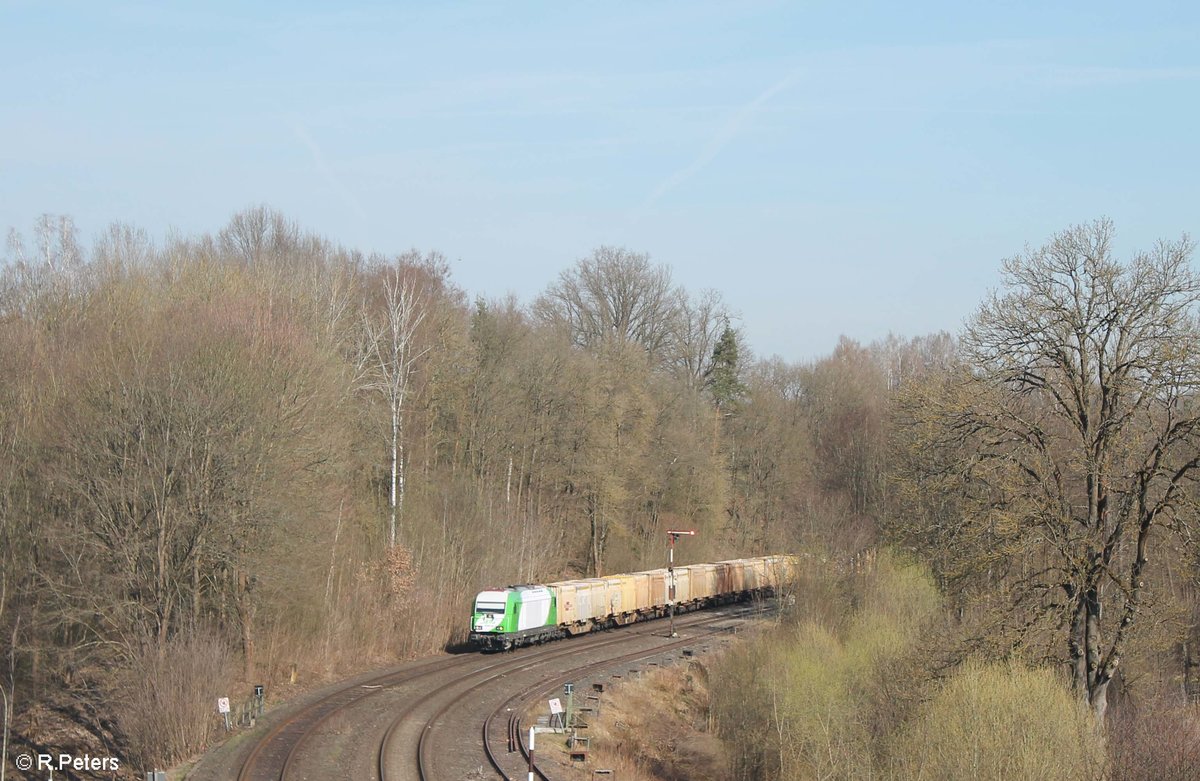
63	762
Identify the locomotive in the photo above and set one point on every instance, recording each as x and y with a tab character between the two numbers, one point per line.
522	615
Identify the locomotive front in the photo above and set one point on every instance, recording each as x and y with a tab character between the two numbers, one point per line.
518	615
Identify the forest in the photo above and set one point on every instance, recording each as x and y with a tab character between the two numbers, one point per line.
257	457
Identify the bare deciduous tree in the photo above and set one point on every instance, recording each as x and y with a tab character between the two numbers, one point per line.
122	246
254	234
58	242
1072	434
699	324
613	295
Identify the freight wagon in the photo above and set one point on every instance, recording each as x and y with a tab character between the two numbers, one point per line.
523	615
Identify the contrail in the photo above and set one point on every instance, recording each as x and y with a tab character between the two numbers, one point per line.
723	137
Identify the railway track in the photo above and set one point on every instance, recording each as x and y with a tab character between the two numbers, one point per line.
406	749
424	750
514	705
274	755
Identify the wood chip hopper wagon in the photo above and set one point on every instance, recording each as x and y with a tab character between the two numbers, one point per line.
523	615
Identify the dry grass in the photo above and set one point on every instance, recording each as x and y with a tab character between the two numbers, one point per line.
657	729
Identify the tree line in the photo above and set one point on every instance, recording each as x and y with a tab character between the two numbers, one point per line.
257	456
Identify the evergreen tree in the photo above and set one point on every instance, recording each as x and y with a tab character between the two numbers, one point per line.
723	380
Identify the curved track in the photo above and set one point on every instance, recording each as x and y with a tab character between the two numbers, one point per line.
275	754
423	749
424	693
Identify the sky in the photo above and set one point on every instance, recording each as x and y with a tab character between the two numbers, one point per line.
833	169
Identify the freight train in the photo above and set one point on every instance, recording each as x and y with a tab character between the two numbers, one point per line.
523	615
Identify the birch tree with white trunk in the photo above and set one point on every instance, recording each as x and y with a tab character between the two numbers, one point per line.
386	360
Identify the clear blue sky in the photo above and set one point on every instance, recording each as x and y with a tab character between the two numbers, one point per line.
832	168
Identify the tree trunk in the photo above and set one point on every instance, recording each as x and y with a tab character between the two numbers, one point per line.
398	510
1098	700
597	551
1090	673
394	493
245	608
162	595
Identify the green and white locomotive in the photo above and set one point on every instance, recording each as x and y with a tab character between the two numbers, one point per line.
518	615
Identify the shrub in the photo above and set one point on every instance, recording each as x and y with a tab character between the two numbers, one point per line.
165	702
999	722
810	700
